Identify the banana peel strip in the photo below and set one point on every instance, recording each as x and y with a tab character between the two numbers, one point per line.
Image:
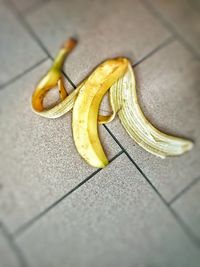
116	75
123	94
86	108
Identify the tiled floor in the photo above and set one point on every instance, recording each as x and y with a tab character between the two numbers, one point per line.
167	85
8	255
57	211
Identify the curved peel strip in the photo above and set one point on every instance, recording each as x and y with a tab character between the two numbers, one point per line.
86	107
61	108
54	77
103	119
123	94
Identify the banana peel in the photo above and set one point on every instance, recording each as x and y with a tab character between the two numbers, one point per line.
116	75
124	96
86	108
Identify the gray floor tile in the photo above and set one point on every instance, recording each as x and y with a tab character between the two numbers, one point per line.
24	5
168	91
18	51
195	4
104	28
115	219
187	206
8	257
183	17
39	162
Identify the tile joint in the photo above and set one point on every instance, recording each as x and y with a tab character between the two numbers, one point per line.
17	77
163	44
28	28
14	247
179	220
35	6
169	27
28	224
182	192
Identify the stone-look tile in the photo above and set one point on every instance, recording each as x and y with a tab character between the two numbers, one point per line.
196	4
24	5
39	162
187	206
168	89
115	219
7	256
18	51
183	17
104	29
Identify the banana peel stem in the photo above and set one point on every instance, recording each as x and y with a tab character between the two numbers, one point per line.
53	78
67	47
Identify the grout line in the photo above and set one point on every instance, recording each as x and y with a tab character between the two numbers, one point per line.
138	168
170	28
182	192
35	6
12	80
32	33
25	24
184	227
15	248
159	47
144	175
112	135
28	224
69	80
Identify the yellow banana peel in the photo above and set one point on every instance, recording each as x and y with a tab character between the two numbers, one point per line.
116	75
86	108
124	96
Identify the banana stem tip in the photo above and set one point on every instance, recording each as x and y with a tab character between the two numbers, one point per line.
70	44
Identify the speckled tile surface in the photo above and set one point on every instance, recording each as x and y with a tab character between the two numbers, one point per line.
114	219
56	210
187	207
105	29
39	162
28	6
183	17
7	255
18	51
